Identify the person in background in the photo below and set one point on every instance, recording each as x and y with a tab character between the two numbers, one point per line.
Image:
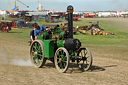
7	28
95	31
91	28
91	31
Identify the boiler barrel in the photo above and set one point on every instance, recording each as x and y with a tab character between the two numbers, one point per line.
70	44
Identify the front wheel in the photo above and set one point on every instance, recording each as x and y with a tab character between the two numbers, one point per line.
37	53
61	60
84	60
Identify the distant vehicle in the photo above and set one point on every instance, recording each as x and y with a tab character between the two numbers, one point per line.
21	24
75	17
61	14
29	16
13	15
52	18
21	14
104	14
89	15
5	26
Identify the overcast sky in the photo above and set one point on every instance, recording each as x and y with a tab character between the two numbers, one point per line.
61	5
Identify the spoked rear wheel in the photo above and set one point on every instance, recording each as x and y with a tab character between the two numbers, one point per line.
85	59
4	29
37	53
61	60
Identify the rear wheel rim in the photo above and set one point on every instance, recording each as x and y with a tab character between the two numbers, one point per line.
4	29
85	59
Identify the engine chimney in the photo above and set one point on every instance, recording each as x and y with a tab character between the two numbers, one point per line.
70	20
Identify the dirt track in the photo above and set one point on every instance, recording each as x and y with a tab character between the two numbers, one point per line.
105	70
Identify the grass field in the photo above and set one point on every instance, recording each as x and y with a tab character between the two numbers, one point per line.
116	42
110	56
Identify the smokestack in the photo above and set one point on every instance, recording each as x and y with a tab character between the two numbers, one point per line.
70	20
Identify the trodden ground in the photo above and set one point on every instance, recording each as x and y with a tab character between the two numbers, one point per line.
110	61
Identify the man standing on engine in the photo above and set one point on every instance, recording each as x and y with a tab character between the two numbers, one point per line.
38	30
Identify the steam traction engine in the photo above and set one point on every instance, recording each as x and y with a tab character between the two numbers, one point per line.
5	26
62	48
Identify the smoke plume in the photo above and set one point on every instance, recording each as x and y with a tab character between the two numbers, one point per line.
21	62
18	61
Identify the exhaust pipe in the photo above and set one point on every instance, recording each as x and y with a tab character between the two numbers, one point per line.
71	44
70	20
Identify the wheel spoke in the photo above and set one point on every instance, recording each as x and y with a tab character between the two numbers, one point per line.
61	52
61	65
64	64
32	53
86	52
35	46
39	48
39	55
38	61
87	57
34	57
81	54
65	59
58	56
58	62
83	61
87	61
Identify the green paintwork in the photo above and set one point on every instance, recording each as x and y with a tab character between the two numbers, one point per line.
61	35
60	43
44	35
61	59
48	48
50	44
58	30
36	48
72	53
